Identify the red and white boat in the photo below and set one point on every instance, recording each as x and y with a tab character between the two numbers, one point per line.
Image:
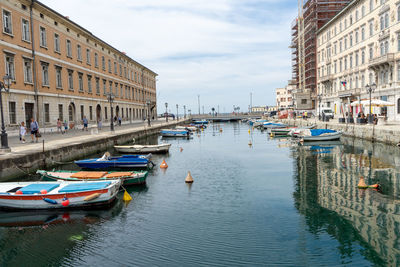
57	195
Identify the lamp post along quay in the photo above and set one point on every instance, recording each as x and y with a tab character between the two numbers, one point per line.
184	111
110	98
4	138
166	111
177	117
370	89
319	106
148	112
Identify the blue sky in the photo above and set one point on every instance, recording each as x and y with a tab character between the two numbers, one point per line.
219	49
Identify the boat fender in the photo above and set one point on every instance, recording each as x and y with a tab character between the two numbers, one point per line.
43	191
65	202
92	197
19	192
51	201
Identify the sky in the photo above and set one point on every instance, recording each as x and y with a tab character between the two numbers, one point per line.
220	50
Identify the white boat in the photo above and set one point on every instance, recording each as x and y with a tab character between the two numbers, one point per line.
270	125
191	128
296	131
143	149
57	195
320	135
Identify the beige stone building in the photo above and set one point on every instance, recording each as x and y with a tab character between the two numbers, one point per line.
61	70
284	98
358	47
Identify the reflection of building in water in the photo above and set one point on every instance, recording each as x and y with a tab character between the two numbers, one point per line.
332	180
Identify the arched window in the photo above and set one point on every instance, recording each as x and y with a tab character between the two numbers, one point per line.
362	81
362	34
398	106
382	23
371	53
382	49
362	57
371	78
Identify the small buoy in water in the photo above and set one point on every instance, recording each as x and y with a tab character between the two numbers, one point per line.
126	197
250	143
249	131
362	184
271	134
180	149
163	164
220	130
189	178
43	191
65	202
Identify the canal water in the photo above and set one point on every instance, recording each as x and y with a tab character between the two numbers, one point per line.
274	202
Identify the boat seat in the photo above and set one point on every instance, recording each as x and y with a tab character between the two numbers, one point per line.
36	188
118	174
77	187
15	189
88	175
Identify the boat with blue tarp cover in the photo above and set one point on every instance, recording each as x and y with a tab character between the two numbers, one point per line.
124	161
175	133
270	125
319	135
57	195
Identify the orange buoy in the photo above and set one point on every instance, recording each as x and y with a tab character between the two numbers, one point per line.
189	178
163	165
220	130
180	149
362	184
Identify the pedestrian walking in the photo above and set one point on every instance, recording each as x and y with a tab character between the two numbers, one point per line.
65	126
119	120
60	126
85	123
22	132
34	130
99	124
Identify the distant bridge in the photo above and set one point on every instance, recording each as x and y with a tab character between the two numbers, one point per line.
226	117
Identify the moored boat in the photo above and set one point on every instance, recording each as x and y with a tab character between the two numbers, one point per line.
186	127
57	195
174	133
296	131
162	148
270	125
127	178
280	131
124	161
200	122
320	135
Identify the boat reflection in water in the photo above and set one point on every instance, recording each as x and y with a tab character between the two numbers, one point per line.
327	195
44	238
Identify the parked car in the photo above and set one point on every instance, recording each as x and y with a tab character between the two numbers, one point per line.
327	113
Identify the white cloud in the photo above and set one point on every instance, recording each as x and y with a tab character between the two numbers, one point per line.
220	49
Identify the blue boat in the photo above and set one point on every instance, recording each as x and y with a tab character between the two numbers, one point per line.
124	161
175	133
201	122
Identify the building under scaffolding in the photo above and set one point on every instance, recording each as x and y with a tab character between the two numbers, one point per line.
313	14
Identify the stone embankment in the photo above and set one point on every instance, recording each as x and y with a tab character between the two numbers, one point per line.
388	134
27	158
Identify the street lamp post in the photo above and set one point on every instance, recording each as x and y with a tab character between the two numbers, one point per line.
370	89
110	98
166	111
177	116
184	111
190	113
319	106
4	137
148	112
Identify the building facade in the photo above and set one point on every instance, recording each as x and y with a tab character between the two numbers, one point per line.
315	14
359	47
61	70
284	98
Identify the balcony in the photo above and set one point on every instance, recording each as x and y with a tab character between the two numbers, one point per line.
326	78
384	60
350	92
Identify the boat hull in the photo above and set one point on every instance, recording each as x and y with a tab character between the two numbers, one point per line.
138	178
328	137
143	149
77	199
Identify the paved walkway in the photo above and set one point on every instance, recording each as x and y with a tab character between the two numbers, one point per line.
54	139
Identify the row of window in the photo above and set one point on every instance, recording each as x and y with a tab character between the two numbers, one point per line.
125	113
119	89
384	20
118	68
